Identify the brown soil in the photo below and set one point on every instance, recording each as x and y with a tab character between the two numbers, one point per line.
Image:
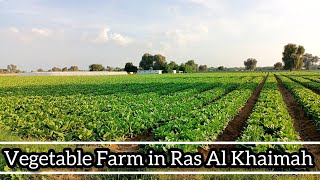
237	125
147	136
305	127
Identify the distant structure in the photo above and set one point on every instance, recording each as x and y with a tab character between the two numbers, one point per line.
175	71
149	72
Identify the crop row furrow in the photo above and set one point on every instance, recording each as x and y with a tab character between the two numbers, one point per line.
314	86
270	121
101	117
308	100
207	123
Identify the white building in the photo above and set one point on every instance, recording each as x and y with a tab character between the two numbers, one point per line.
149	72
175	71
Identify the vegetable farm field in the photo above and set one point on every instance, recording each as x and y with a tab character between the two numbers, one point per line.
239	106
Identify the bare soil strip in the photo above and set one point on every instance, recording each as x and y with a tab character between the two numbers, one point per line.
237	125
302	124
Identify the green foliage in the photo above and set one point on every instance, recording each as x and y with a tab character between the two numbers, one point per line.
191	66
146	62
129	67
73	68
172	66
309	100
13	68
221	68
309	60
203	68
250	64
112	108
96	67
159	62
207	123
156	62
40	70
55	69
278	66
292	57
65	69
270	121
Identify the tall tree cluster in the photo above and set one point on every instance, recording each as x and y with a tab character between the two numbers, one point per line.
278	66
292	57
250	64
11	68
309	61
56	69
156	62
189	67
129	67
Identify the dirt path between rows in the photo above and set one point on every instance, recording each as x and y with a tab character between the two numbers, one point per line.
302	124
237	125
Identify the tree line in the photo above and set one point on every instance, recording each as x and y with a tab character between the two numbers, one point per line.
293	58
158	62
11	68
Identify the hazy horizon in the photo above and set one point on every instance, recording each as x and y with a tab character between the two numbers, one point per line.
43	34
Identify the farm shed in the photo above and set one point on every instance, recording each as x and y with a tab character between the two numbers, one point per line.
149	72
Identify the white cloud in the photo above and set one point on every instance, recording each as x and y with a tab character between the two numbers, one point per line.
106	35
14	30
215	6
120	39
187	34
103	36
177	40
41	31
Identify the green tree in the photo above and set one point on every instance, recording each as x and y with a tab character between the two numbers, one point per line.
129	67
40	70
203	68
292	57
309	60
109	68
55	69
182	67
13	68
172	66
191	66
250	64
278	66
96	67
73	68
65	69
220	68
146	62
159	62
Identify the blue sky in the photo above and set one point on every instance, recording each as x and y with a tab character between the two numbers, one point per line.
47	33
